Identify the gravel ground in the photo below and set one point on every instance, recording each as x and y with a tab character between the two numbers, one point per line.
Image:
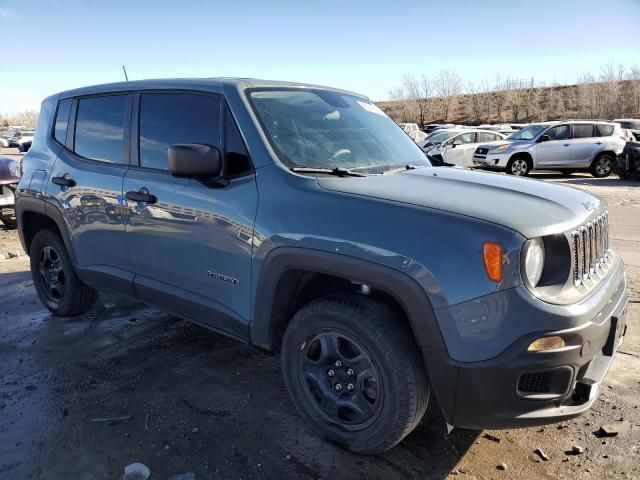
84	397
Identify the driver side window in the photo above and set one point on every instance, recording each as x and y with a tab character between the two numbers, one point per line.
561	132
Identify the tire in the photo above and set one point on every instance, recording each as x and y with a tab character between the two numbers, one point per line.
9	220
56	282
519	166
602	165
567	171
384	388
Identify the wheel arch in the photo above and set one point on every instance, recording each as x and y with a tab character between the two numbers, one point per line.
288	272
33	215
603	152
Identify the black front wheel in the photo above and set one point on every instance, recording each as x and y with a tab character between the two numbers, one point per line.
354	373
55	279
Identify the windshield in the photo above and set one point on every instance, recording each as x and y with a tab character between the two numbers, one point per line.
528	133
326	129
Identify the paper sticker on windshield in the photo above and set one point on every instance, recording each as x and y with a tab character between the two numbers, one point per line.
370	107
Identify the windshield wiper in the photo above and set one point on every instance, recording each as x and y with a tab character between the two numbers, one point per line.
338	172
402	169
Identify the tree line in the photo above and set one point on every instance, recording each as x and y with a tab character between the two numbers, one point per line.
613	93
26	118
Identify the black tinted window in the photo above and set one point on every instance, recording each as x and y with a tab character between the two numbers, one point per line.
62	120
605	130
100	128
173	118
561	132
582	131
236	156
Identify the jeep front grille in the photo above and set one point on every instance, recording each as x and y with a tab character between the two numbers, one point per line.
590	248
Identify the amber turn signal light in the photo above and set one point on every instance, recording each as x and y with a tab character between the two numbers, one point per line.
547	343
492	257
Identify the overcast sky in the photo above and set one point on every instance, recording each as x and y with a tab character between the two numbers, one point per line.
366	46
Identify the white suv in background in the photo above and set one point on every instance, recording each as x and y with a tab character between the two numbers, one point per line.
562	146
456	146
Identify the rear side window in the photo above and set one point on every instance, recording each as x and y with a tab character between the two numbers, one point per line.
582	131
100	128
62	121
604	130
172	118
486	137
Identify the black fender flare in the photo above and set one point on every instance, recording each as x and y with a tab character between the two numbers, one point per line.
403	288
26	204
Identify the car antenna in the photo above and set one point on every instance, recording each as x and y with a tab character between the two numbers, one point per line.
126	77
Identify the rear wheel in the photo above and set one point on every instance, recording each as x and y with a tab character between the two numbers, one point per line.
602	165
55	279
519	166
354	373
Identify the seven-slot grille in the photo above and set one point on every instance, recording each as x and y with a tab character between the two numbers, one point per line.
590	247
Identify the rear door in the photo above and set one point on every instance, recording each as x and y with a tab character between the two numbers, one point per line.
90	134
557	150
584	145
191	247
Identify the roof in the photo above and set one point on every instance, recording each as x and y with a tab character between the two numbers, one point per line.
216	85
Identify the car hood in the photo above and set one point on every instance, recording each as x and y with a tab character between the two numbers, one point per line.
531	207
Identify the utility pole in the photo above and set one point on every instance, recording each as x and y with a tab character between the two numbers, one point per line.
126	77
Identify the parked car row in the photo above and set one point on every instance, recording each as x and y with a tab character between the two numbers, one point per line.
10	173
565	146
17	138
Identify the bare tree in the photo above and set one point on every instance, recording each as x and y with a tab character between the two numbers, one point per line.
419	92
399	95
447	85
474	103
499	97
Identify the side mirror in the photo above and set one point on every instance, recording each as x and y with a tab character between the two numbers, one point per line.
544	138
194	160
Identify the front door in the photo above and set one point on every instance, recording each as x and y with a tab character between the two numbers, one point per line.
557	150
459	150
191	244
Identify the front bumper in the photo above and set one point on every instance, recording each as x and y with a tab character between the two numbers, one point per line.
518	388
493	161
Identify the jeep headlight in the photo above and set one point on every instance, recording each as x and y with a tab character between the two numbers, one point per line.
500	149
533	260
14	169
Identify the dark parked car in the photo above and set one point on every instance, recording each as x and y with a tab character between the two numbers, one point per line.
9	178
627	164
24	146
302	219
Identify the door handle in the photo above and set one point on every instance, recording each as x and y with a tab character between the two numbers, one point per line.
64	181
141	196
566	145
598	143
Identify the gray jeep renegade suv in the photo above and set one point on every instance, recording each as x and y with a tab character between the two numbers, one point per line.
301	219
